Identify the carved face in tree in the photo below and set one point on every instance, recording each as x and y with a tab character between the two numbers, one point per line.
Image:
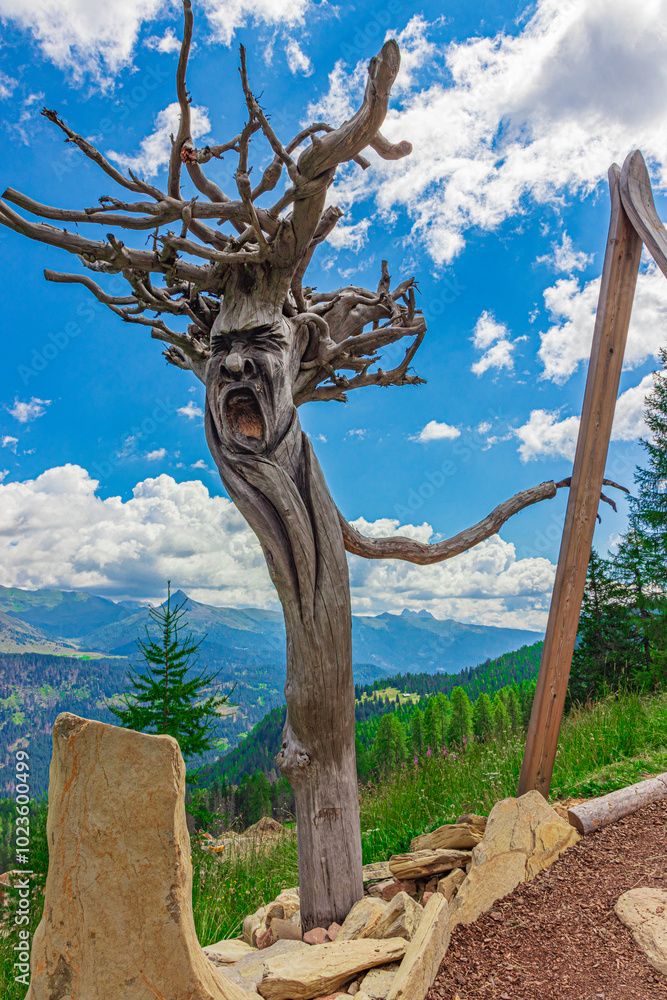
249	386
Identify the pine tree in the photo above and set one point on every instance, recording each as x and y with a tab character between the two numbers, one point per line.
417	732
607	638
501	719
432	734
163	699
460	723
482	718
389	744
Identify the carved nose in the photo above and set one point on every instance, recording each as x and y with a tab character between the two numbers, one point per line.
237	366
234	362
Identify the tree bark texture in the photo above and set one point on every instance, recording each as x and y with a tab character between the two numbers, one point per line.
270	471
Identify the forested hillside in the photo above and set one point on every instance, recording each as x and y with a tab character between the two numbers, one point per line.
256	752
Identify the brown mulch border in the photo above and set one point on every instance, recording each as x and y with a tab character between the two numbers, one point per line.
558	937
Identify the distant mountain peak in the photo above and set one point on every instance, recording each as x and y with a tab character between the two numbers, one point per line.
179	597
406	613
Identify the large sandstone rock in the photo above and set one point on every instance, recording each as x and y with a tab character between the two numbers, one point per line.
421	864
253	925
378	870
325	967
522	837
362	918
117	917
400	918
644	912
424	954
459	836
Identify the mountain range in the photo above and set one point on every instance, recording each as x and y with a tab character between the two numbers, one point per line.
68	622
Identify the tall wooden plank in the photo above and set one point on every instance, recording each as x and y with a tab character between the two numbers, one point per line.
619	278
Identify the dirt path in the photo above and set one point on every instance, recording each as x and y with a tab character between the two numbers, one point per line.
558	936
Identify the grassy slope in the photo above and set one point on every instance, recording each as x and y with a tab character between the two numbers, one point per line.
603	747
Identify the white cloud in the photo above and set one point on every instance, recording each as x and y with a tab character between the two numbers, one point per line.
572	307
349	237
83	38
490	334
416	51
199	464
164	43
545	436
358	432
3	474
155	149
55	531
564	257
297	60
156	455
534	115
225	17
340	101
487	584
499	356
7	86
629	422
191	410
26	412
433	431
9	442
98	39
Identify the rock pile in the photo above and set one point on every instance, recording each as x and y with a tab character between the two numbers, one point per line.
392	941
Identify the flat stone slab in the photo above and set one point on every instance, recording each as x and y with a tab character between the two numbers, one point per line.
421	864
644	912
424	954
456	836
325	967
249	970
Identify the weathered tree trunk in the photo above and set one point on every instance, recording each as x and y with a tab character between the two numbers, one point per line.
270	471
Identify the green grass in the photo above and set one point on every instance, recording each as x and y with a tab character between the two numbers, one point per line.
608	745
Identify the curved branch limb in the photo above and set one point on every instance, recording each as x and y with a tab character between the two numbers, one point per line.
163	212
390	150
425	555
345	142
94	154
637	198
61	278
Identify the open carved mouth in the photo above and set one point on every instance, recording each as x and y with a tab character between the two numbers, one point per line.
244	417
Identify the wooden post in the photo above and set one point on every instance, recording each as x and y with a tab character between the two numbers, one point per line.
619	278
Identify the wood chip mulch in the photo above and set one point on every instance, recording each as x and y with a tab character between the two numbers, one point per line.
558	936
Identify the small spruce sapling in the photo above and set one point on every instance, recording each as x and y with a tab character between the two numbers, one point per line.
166	697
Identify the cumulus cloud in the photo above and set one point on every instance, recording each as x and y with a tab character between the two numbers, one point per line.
544	435
156	455
27	412
493	336
155	148
487	584
297	60
7	86
9	442
349	237
164	43
55	531
191	410
433	431
533	116
572	307
98	39
565	258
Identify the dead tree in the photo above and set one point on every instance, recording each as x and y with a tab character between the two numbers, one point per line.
263	343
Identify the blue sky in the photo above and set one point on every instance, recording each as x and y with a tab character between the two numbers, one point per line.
515	113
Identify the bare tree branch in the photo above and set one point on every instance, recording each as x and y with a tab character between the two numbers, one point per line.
183	135
94	154
424	555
